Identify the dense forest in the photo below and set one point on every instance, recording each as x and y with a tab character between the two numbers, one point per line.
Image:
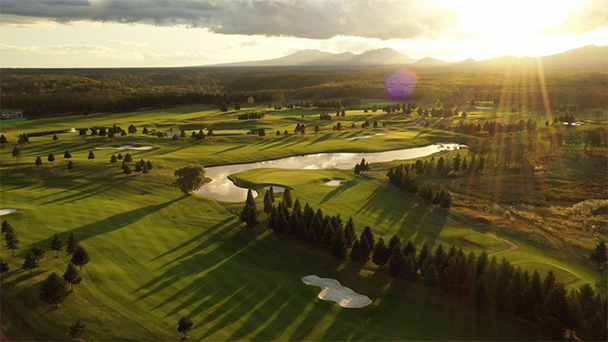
50	92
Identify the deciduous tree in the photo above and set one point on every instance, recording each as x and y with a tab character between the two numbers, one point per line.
189	178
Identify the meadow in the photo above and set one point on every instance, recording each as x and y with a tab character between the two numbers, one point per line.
158	255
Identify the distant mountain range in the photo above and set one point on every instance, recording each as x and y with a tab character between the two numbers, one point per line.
587	57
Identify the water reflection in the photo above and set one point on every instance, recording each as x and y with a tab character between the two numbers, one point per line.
223	189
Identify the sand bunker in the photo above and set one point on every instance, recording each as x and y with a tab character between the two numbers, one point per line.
332	290
126	147
6	211
334	182
365	136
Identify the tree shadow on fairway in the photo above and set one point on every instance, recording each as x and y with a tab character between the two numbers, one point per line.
338	190
114	222
431	230
229	149
200	263
80	195
388	212
323	137
196	238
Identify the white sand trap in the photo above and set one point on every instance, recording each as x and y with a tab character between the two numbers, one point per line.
6	211
334	182
365	136
126	147
332	290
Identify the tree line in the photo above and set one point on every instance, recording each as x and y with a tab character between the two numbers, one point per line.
484	282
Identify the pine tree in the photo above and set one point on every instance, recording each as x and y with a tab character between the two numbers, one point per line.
119	157
338	244
128	157
422	256
5	226
349	232
38	161
287	200
3	139
599	255
80	257
72	243
149	165
409	249
30	261
250	216
91	155
126	170
267	203
72	276
70	165
11	239
77	329
145	131
369	238
271	191
355	253
431	277
56	244
137	167
366	252
51	157
145	169
38	254
392	243
67	155
250	201
113	159
380	253
396	263
53	290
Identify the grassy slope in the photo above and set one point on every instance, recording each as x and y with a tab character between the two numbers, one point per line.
157	256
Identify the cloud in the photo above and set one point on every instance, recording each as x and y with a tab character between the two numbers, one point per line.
130	44
62	49
590	16
318	19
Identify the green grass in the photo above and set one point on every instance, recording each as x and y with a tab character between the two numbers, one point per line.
157	255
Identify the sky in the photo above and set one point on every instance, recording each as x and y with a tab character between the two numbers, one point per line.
168	33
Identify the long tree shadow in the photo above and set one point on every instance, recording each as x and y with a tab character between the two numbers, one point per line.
428	232
338	190
114	222
195	238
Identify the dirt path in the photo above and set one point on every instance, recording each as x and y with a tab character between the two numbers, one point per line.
512	246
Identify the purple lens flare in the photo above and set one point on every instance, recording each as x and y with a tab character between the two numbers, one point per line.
401	84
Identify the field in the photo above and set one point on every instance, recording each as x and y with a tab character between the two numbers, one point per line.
157	255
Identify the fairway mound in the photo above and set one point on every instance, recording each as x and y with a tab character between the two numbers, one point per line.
332	290
126	147
6	211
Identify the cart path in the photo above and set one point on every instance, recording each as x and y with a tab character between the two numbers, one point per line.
512	246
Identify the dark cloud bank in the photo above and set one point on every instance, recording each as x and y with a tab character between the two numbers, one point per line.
321	19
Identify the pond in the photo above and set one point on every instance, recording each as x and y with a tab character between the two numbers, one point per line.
223	189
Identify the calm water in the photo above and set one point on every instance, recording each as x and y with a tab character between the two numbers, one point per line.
223	189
